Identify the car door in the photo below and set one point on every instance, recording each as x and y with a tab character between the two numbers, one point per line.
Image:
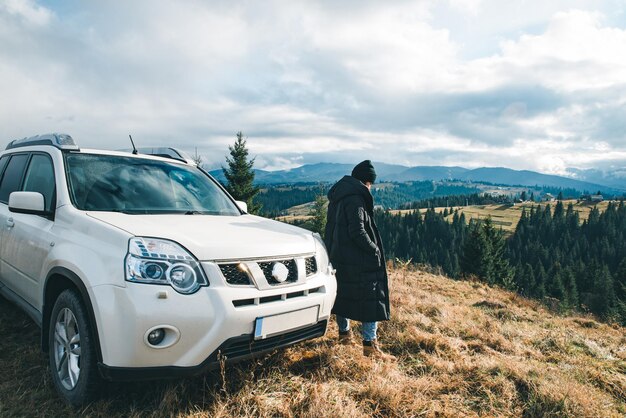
3	163
10	182
26	238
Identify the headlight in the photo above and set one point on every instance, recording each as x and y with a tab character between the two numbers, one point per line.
321	254
159	261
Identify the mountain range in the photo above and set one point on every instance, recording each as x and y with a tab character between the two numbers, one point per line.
587	180
615	177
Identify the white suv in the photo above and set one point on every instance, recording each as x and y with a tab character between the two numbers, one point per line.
143	267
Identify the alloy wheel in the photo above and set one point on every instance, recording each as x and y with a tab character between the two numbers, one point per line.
67	348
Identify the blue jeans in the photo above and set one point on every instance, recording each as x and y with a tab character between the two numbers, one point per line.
368	329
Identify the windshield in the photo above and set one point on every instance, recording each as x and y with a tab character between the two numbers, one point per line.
142	186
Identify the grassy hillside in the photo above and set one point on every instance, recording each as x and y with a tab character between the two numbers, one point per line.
463	349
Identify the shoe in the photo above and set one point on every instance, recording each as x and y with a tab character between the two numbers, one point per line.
372	349
345	338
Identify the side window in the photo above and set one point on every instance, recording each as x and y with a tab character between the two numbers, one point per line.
40	178
12	177
3	162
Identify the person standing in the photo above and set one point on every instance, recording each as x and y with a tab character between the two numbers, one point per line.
356	252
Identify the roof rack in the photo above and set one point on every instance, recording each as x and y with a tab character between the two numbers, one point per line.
62	141
165	152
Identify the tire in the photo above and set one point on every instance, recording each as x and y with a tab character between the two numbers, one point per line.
71	350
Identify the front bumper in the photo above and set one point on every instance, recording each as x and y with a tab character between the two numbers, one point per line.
231	351
218	318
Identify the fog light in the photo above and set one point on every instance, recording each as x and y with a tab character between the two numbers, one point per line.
156	336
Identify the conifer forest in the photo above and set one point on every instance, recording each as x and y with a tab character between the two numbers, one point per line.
551	256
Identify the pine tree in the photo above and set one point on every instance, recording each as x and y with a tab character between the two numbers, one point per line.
603	301
484	255
620	291
559	212
318	212
240	175
571	292
540	282
527	285
498	271
572	219
473	260
620	281
554	285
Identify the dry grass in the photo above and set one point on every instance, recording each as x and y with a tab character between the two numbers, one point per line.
463	349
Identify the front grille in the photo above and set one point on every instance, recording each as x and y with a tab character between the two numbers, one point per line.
310	266
234	275
303	293
292	277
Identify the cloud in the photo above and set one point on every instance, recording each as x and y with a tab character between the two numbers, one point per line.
278	163
27	11
574	53
471	7
462	82
390	51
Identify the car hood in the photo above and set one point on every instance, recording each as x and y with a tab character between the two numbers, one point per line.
210	237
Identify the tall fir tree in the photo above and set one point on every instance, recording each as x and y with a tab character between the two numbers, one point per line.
527	285
501	272
540	282
318	212
475	252
620	281
240	175
484	255
603	302
571	292
620	291
554	285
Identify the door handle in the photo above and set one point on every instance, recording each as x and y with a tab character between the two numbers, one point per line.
10	223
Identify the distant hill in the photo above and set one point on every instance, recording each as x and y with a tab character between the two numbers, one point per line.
320	172
502	175
612	178
331	172
421	173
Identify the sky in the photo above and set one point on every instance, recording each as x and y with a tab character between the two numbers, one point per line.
526	84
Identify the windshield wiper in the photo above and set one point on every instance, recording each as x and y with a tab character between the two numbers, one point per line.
124	211
193	212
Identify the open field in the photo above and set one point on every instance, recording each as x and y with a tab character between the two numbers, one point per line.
297	213
463	349
507	216
504	216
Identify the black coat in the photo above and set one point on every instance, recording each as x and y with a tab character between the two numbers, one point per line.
355	248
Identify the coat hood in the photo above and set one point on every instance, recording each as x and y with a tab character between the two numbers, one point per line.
348	186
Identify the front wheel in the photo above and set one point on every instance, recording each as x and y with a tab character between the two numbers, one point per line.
71	346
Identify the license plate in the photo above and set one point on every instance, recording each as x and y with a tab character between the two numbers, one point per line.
269	326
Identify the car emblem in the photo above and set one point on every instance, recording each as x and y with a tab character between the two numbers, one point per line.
280	272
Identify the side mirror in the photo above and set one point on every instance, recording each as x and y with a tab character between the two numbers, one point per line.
242	205
31	203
